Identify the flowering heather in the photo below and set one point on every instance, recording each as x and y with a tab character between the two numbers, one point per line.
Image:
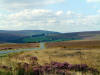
56	68
34	58
6	67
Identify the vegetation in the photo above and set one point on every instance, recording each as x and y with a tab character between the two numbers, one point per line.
58	37
44	36
17	36
76	44
13	46
58	60
46	39
53	68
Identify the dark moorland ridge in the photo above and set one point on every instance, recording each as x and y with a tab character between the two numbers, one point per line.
24	36
9	36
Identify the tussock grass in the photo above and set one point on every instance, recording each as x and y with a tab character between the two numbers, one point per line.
90	57
72	55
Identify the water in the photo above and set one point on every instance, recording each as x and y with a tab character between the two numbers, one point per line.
42	46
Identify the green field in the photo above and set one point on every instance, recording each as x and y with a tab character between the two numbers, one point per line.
46	39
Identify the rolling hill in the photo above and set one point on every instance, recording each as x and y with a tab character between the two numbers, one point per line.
92	35
14	36
27	32
27	36
79	35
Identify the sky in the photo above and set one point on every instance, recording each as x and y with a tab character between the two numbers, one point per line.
53	15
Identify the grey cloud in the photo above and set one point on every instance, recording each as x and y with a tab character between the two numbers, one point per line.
38	19
23	4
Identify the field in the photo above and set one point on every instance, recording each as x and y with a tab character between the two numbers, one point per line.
73	52
81	44
87	50
6	46
46	39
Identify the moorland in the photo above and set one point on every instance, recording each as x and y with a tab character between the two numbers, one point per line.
74	54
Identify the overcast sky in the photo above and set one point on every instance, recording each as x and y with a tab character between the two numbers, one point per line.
52	15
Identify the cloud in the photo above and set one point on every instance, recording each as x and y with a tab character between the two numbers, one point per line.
49	20
93	0
69	12
59	13
18	4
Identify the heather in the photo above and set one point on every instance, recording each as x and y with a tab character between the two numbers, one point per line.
53	68
62	60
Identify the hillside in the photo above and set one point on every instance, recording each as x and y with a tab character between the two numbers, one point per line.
27	32
93	35
79	35
26	36
6	37
14	36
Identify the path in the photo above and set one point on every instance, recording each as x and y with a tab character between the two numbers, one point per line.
42	46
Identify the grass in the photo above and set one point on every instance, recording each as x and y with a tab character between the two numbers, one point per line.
24	58
75	53
47	39
90	57
63	55
18	46
85	44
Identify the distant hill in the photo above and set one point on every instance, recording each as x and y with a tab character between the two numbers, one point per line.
80	35
93	35
27	36
27	32
6	37
14	36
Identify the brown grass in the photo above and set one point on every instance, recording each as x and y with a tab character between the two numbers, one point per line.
90	57
88	44
17	46
76	52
